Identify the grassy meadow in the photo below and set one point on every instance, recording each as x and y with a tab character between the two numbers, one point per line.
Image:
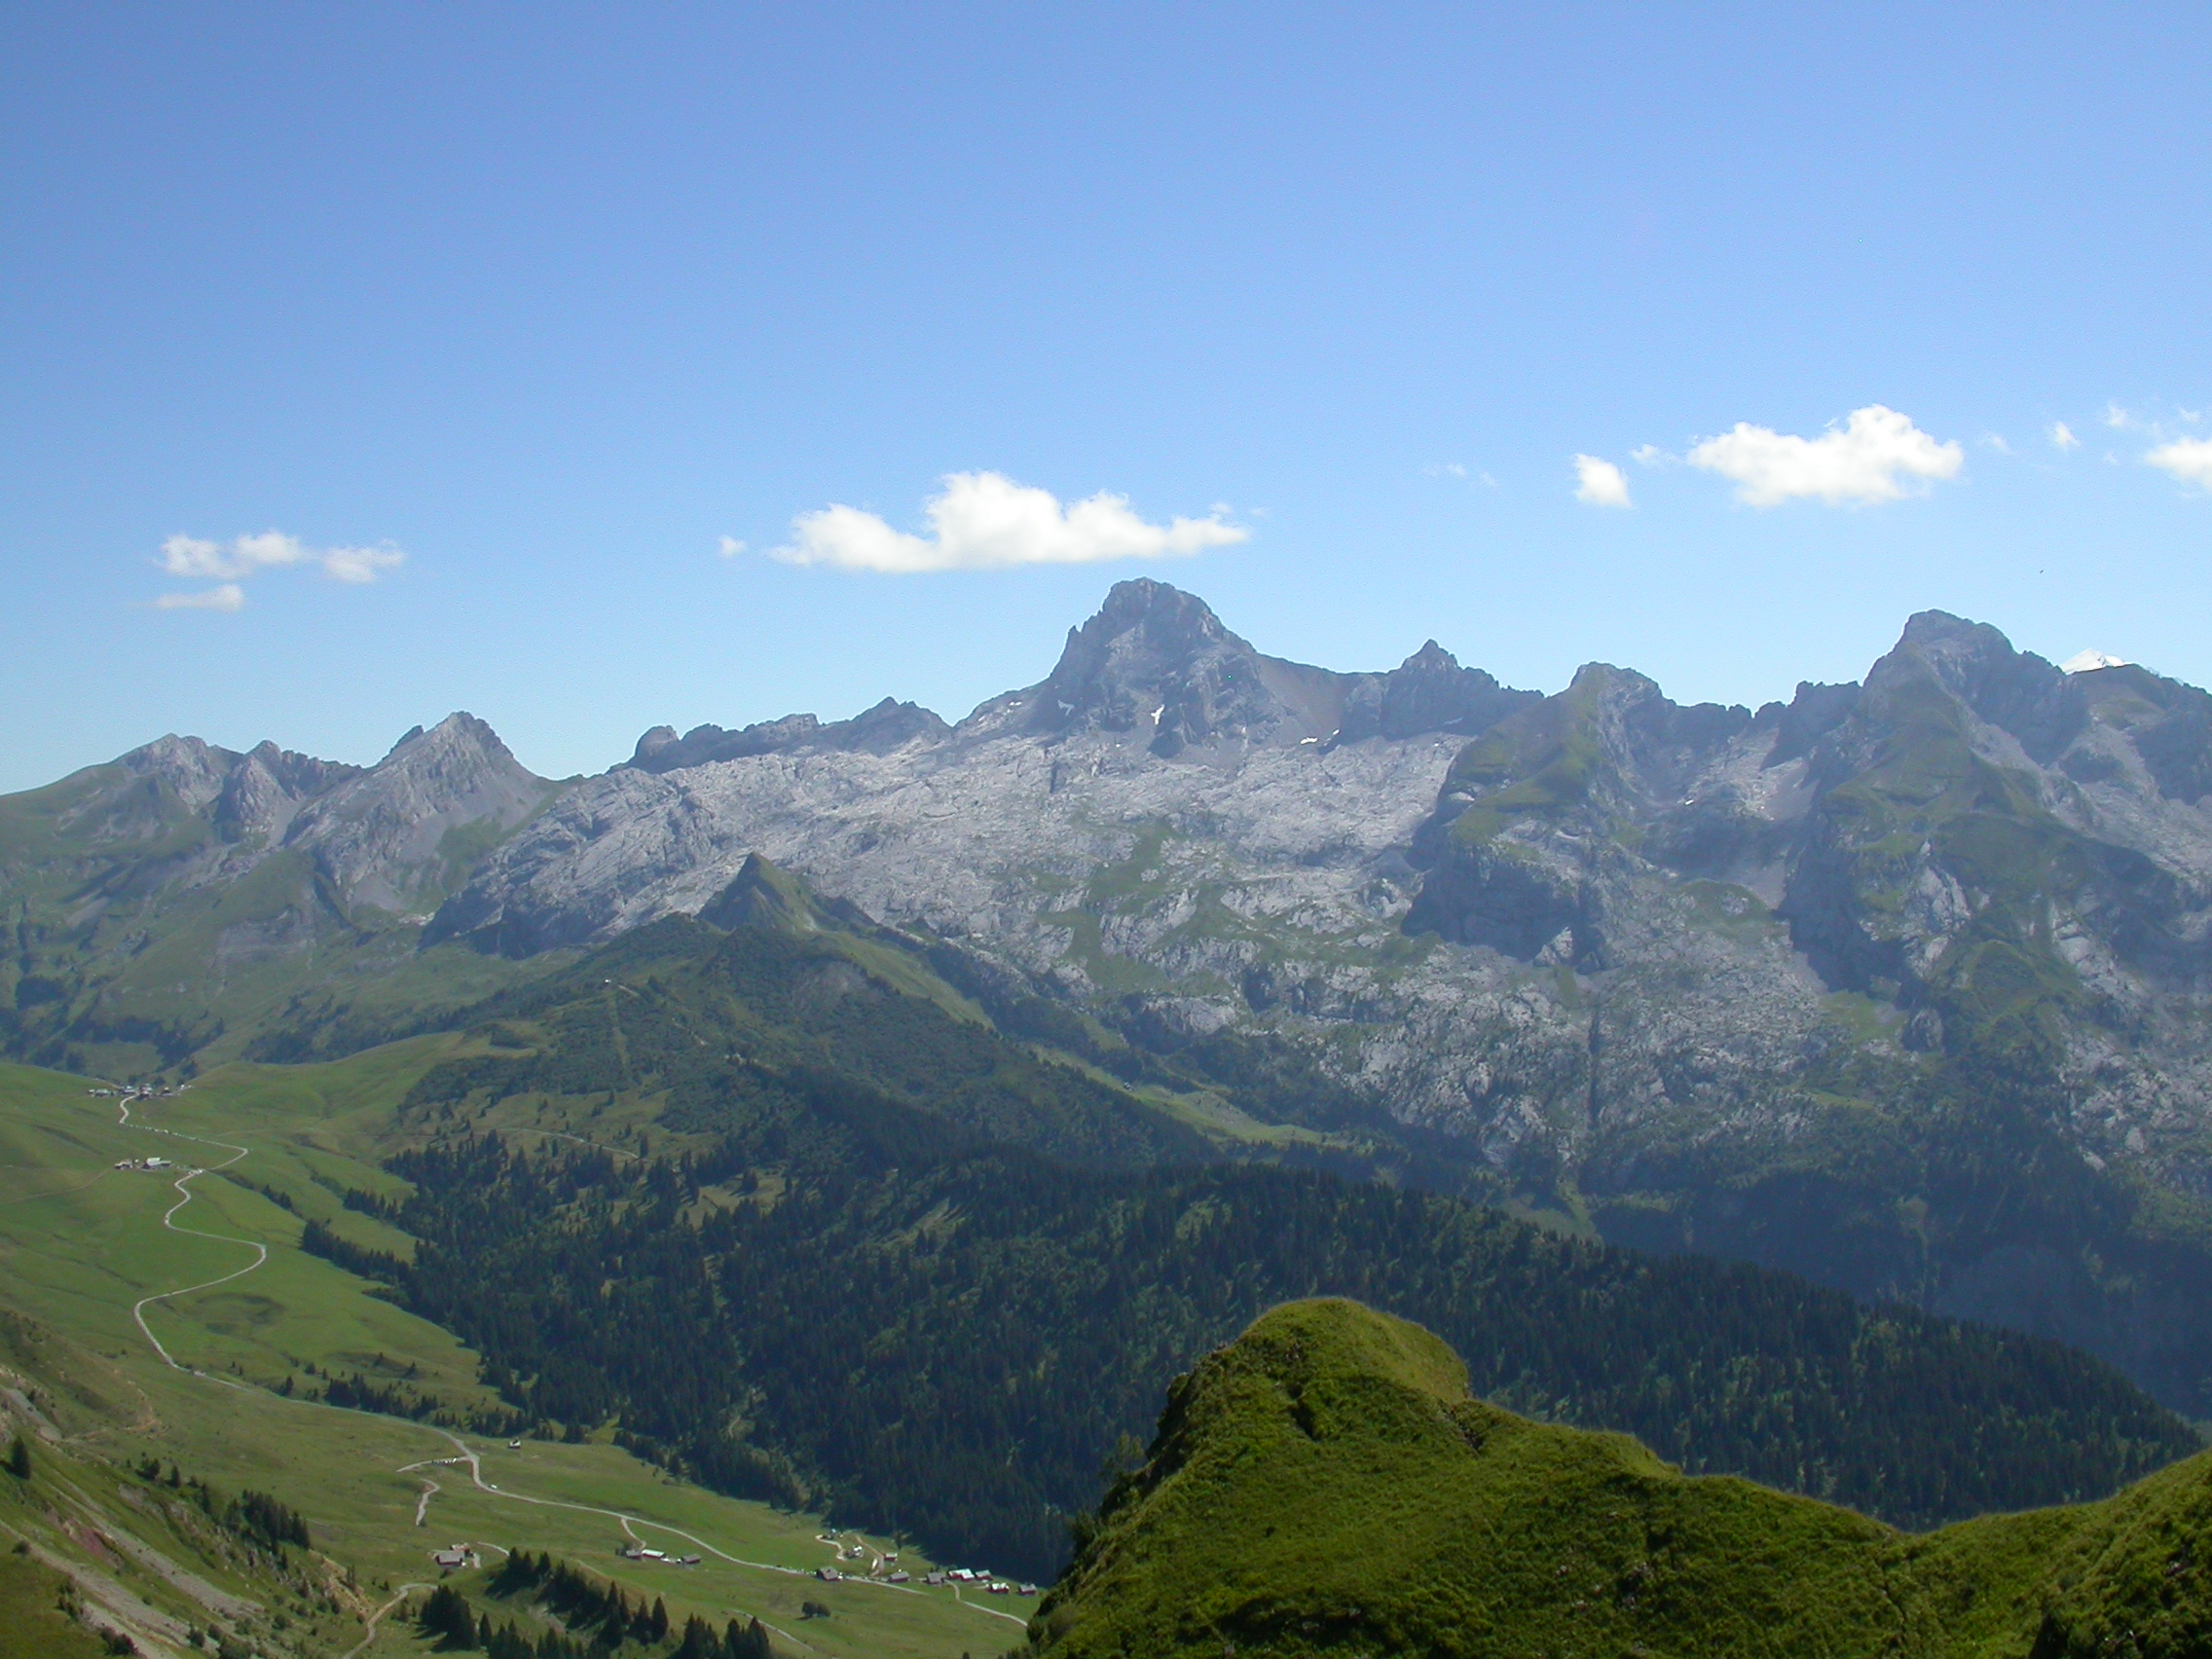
81	1242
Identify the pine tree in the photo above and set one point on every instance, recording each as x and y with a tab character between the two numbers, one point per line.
19	1459
660	1620
447	1616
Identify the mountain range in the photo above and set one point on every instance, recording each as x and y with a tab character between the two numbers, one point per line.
1899	983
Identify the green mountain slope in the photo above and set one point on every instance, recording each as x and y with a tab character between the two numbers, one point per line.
1899	986
1327	1485
804	1233
81	1242
184	904
771	1232
708	1025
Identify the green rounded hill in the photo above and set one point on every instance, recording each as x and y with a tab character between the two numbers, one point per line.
1325	1484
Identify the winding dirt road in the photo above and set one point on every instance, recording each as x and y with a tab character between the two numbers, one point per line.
369	1634
464	1455
183	1184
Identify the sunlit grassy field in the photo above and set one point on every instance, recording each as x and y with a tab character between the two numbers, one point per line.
81	1242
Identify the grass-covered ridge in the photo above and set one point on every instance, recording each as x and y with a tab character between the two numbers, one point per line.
1327	1485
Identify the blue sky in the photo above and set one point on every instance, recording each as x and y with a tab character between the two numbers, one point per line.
503	318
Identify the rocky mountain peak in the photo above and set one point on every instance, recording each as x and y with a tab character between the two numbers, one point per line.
1979	667
1430	691
1169	616
890	725
460	739
298	775
1154	660
381	835
763	894
190	767
266	788
245	796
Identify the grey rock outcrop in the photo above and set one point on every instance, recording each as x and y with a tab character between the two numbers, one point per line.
878	730
378	834
411	826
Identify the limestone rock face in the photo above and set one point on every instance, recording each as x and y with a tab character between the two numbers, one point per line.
1605	909
378	833
1656	962
886	726
1841	983
387	836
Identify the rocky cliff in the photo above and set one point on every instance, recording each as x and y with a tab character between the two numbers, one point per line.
1811	983
1901	985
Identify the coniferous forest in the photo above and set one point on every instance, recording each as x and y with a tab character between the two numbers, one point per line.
842	1305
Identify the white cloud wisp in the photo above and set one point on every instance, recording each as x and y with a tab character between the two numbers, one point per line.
196	560
1599	483
984	521
1877	454
2062	436
2189	460
228	596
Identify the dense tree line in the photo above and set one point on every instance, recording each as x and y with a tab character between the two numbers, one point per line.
362	1394
595	1618
255	1517
929	1280
949	1343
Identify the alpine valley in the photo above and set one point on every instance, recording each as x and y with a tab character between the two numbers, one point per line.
870	1121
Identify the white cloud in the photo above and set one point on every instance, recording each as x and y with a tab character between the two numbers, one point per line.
1996	441
228	596
1599	483
187	556
1649	455
2062	436
360	564
211	561
2116	418
2189	460
984	521
731	547
1868	459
